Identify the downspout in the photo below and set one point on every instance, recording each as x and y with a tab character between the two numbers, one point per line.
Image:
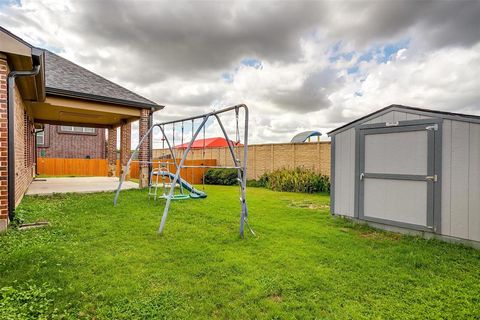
11	133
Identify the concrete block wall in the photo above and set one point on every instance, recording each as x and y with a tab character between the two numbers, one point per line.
268	157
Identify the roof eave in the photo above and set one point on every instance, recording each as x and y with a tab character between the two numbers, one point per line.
91	97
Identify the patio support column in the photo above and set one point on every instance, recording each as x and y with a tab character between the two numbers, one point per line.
3	145
112	152
125	146
143	152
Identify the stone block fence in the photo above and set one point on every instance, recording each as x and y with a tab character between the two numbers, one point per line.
267	157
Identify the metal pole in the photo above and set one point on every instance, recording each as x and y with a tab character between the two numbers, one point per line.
244	217
124	174
177	175
242	169
242	172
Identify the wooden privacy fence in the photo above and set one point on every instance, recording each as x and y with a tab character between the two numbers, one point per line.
72	167
99	167
192	175
268	157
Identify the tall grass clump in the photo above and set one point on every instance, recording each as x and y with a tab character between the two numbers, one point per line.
296	180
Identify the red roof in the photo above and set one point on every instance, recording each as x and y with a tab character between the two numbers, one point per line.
209	143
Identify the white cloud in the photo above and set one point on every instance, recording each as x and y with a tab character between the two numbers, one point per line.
322	63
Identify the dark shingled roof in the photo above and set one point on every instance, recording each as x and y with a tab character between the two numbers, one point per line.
65	78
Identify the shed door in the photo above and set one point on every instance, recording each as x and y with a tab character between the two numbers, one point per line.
397	174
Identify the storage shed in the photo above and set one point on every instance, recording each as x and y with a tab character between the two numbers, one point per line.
402	168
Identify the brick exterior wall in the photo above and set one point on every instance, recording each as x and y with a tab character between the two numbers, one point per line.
125	145
24	146
143	154
112	152
61	144
3	145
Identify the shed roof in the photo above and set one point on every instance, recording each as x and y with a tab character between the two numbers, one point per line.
415	110
67	79
303	136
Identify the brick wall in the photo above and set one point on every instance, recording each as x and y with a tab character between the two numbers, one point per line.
112	151
143	154
268	157
24	169
3	145
24	146
60	144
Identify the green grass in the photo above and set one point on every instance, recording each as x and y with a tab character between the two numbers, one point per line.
97	261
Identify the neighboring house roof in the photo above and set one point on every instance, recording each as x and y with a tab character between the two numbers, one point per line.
303	136
209	143
420	111
65	78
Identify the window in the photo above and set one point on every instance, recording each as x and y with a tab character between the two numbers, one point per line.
40	138
77	129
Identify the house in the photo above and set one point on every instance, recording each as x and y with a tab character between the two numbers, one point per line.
56	141
39	88
410	169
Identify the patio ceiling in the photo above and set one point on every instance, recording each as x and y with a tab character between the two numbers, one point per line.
72	111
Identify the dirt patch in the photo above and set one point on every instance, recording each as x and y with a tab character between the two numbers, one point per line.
380	235
276	298
305	204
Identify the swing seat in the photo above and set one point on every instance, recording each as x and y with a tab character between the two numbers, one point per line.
177	197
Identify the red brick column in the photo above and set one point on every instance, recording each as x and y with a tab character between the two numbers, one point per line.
143	152
3	145
125	146
112	152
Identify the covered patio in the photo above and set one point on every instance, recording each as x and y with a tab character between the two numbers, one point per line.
78	97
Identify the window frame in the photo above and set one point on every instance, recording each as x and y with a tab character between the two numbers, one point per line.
72	130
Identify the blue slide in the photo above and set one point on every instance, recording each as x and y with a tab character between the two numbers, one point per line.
194	193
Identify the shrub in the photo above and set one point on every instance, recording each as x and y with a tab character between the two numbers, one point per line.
296	180
226	177
255	183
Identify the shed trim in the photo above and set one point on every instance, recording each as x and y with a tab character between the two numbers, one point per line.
332	176
396	107
435	210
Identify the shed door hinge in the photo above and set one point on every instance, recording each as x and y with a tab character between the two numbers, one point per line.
433	127
431	178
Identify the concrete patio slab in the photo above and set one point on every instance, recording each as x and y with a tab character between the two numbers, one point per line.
48	186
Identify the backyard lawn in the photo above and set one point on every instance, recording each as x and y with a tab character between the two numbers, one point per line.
97	261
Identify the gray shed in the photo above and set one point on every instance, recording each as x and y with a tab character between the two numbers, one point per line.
402	168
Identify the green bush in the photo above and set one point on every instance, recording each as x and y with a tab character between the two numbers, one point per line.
225	177
255	184
297	180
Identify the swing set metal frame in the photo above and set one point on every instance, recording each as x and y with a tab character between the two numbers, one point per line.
241	167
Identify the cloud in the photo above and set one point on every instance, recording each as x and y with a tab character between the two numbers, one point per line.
304	65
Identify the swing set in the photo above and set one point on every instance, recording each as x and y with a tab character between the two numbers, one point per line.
168	181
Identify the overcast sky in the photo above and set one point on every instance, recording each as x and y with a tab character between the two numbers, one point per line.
297	65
